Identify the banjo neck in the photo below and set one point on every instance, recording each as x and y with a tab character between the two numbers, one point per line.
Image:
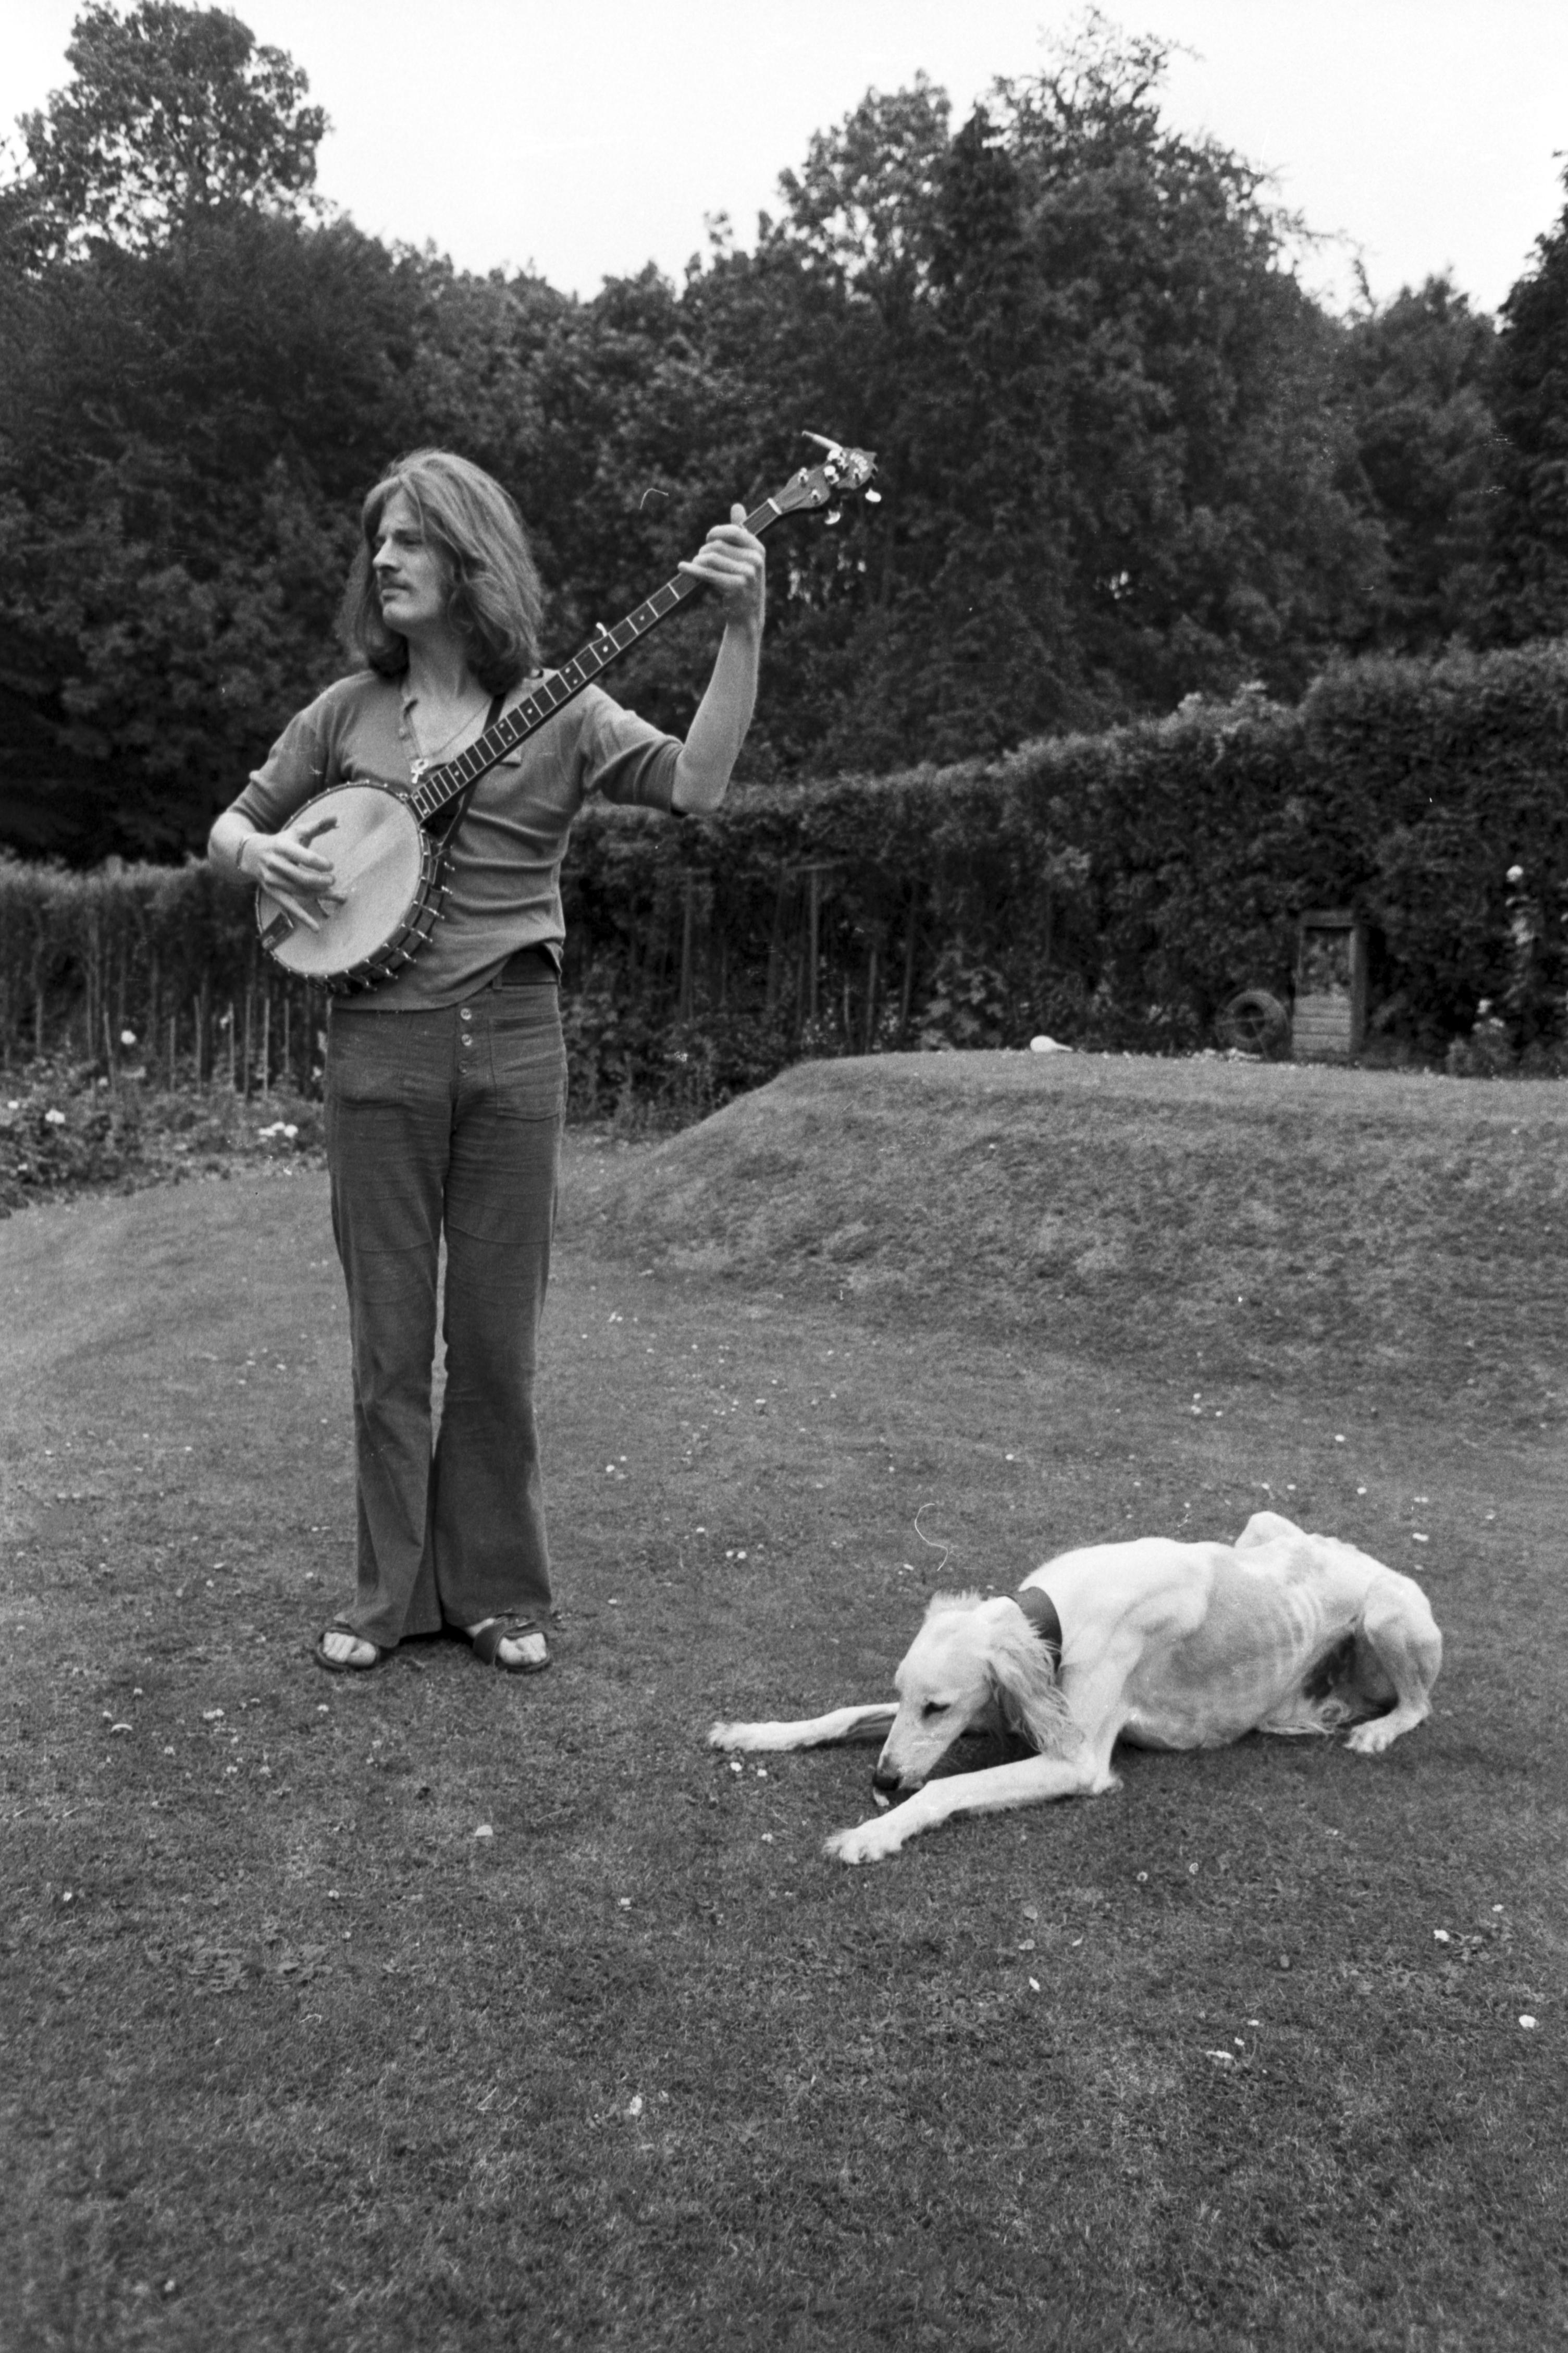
815	486
438	785
392	864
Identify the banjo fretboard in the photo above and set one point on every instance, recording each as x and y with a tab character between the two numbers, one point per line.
438	785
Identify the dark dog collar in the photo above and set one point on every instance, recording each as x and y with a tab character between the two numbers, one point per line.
1041	1612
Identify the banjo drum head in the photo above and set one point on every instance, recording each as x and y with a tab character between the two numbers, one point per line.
376	845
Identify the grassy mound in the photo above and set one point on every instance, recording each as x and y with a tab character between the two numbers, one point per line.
1339	1226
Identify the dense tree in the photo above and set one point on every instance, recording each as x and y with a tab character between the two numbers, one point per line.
1126	457
172	114
1120	473
1417	373
185	433
1530	595
184	395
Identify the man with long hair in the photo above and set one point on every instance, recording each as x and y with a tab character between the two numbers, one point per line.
445	1086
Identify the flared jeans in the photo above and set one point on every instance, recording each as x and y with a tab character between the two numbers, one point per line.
446	1126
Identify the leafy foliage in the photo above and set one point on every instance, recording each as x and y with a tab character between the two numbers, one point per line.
172	114
1111	429
1531	527
1128	462
1105	405
184	433
1418	374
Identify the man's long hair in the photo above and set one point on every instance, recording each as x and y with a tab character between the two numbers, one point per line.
495	601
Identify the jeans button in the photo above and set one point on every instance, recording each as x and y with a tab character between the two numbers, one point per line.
465	1014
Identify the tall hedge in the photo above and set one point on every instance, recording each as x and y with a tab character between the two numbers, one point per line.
1117	888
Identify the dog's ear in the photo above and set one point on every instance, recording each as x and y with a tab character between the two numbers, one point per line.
1011	1705
1027	1695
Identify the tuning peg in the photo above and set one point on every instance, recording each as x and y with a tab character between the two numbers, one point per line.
834	514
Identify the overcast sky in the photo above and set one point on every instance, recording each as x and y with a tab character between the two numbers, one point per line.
587	139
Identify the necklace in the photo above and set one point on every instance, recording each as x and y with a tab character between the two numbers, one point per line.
427	758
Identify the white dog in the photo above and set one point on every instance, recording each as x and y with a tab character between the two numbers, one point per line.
1162	1644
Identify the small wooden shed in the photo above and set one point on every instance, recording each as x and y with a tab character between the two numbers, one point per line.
1329	1022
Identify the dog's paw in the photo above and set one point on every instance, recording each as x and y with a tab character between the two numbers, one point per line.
867	1842
1371	1739
728	1736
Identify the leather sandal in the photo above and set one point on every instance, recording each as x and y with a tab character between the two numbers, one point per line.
486	1645
347	1666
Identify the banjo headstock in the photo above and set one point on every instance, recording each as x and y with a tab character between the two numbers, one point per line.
826	485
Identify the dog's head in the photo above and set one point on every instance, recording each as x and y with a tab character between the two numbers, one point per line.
974	1666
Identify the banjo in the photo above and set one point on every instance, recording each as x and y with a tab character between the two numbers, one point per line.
390	865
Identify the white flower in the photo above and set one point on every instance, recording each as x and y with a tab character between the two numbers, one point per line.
1441	1936
1526	2020
484	1832
1515	873
55	1118
128	1037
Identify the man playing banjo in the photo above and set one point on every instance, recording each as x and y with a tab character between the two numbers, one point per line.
446	1078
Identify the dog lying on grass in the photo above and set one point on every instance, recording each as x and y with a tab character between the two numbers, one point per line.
1161	1644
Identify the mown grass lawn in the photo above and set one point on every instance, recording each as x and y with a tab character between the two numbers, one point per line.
296	2060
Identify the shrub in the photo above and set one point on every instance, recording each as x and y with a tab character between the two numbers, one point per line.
1116	889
